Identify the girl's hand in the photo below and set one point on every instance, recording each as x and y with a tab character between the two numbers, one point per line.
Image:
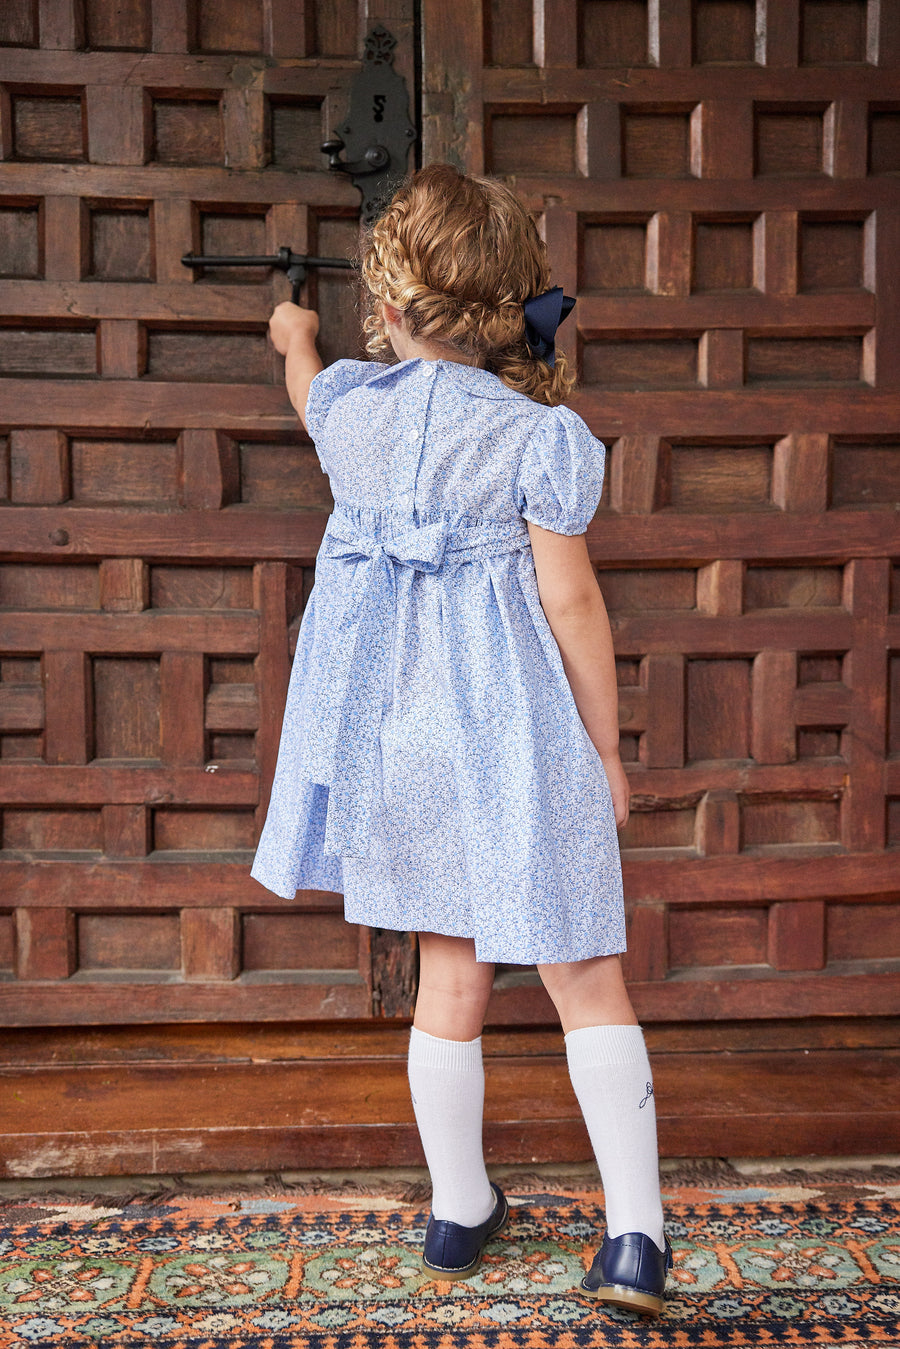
290	323
618	786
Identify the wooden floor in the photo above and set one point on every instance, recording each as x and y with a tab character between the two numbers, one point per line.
155	1100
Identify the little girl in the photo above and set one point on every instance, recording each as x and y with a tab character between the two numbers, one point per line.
449	758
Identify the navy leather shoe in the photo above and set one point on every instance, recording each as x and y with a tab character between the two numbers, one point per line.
630	1271
453	1251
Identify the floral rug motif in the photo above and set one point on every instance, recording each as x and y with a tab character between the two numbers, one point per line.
754	1266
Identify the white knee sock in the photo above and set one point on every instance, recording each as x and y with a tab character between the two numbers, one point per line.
611	1075
446	1079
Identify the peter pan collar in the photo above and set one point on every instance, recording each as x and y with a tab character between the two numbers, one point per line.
477	383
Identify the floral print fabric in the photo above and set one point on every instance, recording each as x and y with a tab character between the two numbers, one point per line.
433	765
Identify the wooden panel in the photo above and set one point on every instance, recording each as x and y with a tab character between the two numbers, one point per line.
807	360
60	352
728	937
613	33
296	129
45	944
162	690
655	143
724	32
334	235
120	244
233	232
795	587
773	1099
119	472
723	255
282	477
336	28
789	141
884	141
186	587
613	255
298	941
7	943
20	240
227	357
509	36
720	479
210	944
125	25
124	585
126	830
38	466
188	131
832	254
18	24
52	830
224	27
126	707
48	126
652	363
832	32
797	936
202	830
863	932
22	703
532	142
126	941
865	475
718	709
642	591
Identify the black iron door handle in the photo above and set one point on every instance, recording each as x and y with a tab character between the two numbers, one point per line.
294	265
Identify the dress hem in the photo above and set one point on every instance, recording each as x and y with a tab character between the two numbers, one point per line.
498	957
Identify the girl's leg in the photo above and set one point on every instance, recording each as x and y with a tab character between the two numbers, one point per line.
611	1076
589	993
446	1075
454	988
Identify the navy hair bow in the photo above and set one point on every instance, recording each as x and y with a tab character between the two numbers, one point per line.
543	315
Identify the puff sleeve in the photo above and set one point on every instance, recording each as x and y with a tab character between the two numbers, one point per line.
561	474
331	384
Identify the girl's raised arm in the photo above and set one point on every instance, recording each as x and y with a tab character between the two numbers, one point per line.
293	331
574	608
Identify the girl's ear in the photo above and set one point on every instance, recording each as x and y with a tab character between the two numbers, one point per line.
392	315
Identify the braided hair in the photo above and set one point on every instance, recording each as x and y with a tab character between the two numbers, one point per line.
459	256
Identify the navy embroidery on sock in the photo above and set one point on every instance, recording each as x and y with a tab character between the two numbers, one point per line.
647	1097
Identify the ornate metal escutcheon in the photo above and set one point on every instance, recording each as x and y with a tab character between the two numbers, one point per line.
377	134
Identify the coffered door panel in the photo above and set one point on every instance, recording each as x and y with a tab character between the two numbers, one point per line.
161	506
718	184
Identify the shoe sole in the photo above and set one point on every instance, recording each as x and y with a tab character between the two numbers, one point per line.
455	1275
632	1299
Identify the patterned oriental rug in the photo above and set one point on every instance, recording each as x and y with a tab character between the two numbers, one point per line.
805	1263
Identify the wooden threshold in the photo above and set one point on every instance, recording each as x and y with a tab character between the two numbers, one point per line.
157	1100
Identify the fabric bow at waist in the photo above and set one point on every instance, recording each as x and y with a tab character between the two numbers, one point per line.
426	548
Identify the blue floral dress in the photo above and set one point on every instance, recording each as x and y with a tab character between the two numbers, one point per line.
433	766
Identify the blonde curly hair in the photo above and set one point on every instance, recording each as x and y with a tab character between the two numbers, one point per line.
459	256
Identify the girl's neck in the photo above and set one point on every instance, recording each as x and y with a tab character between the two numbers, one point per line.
410	349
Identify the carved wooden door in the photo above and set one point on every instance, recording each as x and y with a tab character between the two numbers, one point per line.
717	181
161	506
